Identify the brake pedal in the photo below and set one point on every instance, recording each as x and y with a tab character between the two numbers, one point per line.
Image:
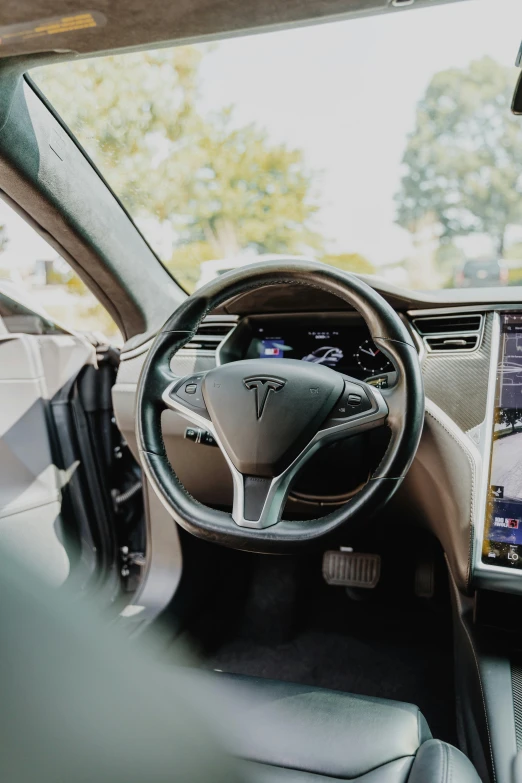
351	569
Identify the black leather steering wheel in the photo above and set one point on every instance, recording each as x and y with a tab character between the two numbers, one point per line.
269	416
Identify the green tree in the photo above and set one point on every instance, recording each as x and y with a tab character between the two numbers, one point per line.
463	160
514	252
249	193
219	187
448	257
5	273
510	417
3	238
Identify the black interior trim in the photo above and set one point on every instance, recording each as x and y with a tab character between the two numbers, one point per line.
67	201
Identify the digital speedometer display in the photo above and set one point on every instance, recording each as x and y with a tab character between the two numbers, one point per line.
349	350
371	359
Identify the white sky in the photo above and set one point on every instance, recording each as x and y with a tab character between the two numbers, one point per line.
345	93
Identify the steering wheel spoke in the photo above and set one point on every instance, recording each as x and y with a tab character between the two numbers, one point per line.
259	501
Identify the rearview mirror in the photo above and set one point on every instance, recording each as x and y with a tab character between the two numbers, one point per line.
516	106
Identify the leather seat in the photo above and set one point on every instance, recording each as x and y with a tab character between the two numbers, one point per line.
79	704
289	733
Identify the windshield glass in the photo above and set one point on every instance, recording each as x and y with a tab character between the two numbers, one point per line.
382	145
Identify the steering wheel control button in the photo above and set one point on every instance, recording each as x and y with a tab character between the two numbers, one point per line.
354	400
189	391
207	439
200	436
383	381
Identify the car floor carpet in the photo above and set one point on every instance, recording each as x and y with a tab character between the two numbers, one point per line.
387	644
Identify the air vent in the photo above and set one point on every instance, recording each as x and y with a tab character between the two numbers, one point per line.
457	343
208	337
448	323
450	333
215	329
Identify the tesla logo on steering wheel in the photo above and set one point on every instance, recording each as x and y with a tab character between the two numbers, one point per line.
263	385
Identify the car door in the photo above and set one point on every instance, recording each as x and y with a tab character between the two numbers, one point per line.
33	369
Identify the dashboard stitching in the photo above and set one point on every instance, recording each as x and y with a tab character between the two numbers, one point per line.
444	763
471	462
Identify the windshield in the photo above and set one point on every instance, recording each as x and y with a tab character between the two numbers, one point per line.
382	145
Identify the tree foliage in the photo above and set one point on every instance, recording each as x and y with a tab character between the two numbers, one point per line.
350	262
510	417
463	160
221	188
3	238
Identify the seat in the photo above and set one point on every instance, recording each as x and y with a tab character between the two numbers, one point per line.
287	733
79	703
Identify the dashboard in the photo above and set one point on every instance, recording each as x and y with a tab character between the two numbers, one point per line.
340	341
466	483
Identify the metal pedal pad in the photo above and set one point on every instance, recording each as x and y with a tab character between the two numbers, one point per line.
351	569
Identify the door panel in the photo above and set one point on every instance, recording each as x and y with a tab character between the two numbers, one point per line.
32	369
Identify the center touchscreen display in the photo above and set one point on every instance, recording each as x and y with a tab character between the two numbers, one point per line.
503	539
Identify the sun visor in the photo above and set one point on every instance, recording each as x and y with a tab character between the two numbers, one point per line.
37	26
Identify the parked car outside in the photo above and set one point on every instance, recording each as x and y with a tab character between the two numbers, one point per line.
481	273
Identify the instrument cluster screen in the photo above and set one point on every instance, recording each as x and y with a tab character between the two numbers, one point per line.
349	350
503	540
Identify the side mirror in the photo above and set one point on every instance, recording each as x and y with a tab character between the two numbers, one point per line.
516	105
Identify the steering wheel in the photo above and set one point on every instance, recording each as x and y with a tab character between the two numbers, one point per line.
268	416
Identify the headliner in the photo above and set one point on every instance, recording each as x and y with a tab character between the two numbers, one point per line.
127	24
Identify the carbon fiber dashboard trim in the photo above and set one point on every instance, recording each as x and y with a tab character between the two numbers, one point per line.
516	679
458	383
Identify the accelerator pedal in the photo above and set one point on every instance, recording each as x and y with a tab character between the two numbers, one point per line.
351	569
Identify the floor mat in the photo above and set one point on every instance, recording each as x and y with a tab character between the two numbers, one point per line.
309	633
393	669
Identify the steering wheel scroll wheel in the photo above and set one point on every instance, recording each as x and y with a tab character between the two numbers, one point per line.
269	416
